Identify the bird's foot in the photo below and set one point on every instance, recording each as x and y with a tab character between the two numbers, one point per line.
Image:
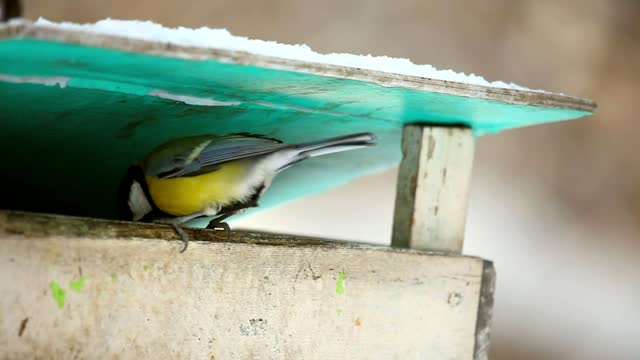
183	236
175	224
215	224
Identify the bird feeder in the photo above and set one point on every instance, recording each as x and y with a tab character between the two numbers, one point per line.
79	106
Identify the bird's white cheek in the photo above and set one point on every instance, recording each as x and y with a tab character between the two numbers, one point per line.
138	202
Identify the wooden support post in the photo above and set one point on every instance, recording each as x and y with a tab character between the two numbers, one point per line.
433	187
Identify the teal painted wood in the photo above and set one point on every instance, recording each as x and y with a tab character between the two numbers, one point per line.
69	146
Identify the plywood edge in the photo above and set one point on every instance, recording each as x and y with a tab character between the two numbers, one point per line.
13	28
37	225
485	312
510	96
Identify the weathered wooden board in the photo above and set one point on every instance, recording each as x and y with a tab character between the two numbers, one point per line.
80	288
433	187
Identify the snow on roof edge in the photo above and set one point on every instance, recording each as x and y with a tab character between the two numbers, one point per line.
222	39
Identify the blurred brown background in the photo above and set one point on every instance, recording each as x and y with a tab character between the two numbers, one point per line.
556	206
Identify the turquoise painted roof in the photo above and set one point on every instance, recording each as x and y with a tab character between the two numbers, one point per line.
67	147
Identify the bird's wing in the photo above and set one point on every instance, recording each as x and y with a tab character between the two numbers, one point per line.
201	154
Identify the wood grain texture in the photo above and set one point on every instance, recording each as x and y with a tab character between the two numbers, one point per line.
433	187
254	296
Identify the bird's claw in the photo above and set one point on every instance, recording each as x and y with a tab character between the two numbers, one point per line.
220	225
179	230
183	236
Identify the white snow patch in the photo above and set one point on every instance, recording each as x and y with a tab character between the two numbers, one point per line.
221	39
191	100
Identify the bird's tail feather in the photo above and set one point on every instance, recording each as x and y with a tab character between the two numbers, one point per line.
328	146
337	144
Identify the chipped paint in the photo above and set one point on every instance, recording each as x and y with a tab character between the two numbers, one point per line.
58	293
357	322
340	283
61	81
191	100
77	285
256	327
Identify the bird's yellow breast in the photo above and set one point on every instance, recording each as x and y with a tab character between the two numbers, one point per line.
188	195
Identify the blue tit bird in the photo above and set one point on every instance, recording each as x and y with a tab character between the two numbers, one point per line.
213	176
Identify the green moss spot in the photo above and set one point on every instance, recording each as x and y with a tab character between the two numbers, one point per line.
114	277
340	283
77	285
58	293
146	267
